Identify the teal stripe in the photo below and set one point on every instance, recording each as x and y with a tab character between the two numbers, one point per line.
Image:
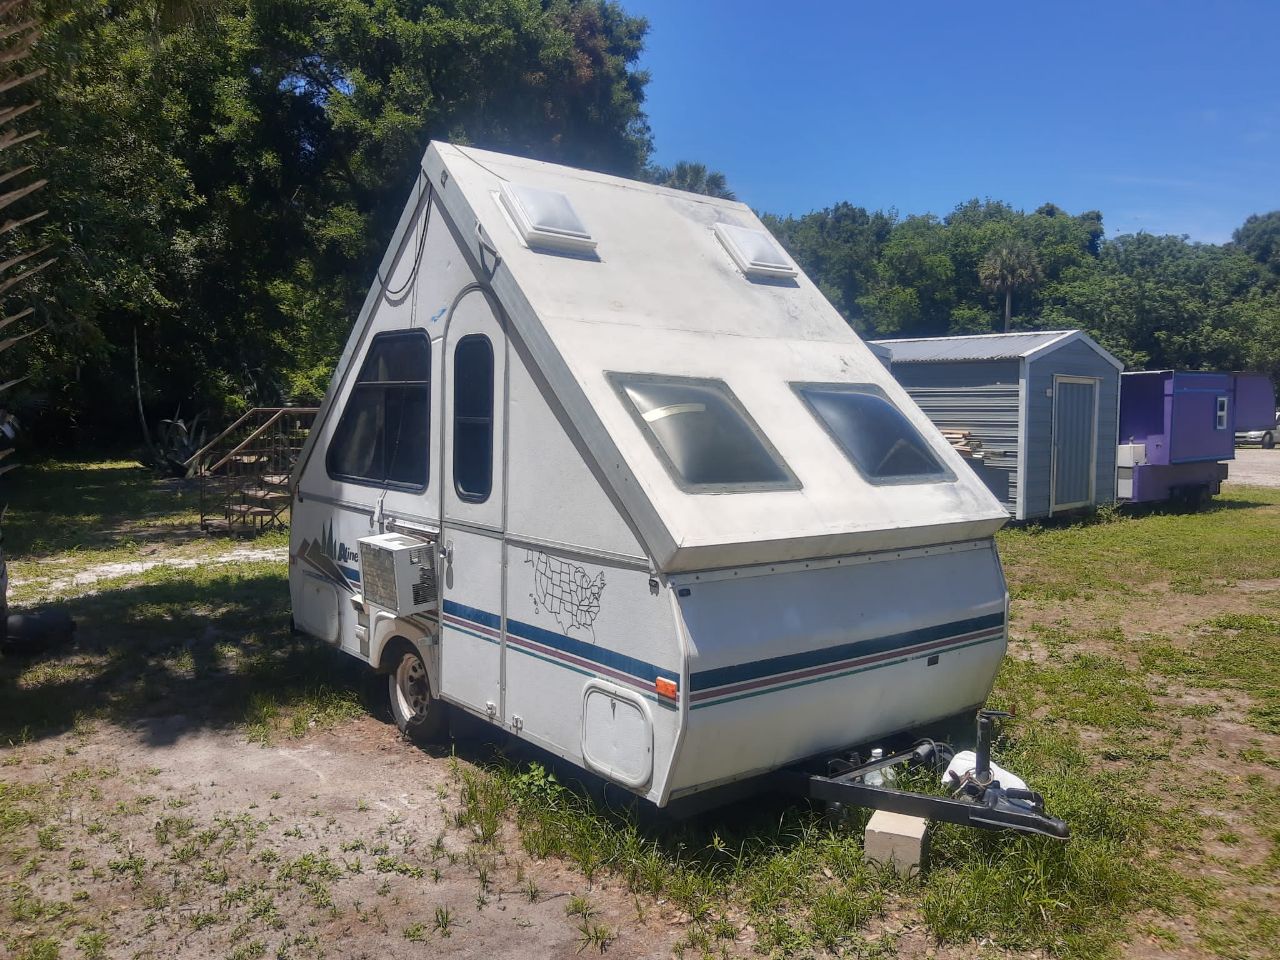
587	673
836	676
472	633
558	663
552	661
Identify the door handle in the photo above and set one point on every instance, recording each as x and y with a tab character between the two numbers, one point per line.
446	553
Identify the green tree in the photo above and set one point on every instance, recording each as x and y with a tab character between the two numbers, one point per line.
914	290
1010	267
225	175
1259	237
839	248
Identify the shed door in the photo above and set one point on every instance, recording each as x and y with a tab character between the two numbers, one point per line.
471	484
1075	441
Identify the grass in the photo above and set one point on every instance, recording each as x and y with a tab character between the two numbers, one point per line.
800	885
59	507
1235	651
1121	724
1128	555
211	643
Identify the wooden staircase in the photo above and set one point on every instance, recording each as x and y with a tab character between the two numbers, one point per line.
244	471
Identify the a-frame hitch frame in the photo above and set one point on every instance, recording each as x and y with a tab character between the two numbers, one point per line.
979	802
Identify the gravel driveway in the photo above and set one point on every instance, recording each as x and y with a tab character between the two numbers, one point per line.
1255	466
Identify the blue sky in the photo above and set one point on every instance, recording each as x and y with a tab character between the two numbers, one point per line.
1164	115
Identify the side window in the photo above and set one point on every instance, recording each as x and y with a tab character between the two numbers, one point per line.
384	435
473	418
702	434
1220	423
877	439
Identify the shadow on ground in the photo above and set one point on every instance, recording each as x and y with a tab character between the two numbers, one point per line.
56	506
211	645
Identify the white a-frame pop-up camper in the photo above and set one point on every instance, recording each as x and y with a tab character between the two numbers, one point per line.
600	465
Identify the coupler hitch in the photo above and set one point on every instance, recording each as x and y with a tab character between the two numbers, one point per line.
979	801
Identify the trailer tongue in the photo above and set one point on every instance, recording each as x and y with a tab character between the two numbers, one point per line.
979	802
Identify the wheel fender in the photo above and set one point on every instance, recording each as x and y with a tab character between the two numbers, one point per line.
389	631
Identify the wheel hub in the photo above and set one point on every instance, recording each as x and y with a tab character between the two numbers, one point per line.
411	679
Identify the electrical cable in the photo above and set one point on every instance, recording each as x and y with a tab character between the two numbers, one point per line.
482	166
390	457
390	295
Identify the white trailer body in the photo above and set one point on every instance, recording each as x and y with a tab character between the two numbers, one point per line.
678	524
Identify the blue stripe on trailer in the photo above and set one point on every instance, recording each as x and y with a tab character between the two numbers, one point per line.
740	680
775	684
631	666
789	663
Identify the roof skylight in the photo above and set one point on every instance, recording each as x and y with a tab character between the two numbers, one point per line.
755	252
545	219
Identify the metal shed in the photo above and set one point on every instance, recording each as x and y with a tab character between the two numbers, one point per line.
1044	406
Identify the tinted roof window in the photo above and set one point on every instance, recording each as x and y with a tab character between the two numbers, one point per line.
872	432
702	434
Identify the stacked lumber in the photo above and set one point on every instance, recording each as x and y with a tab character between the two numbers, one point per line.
964	444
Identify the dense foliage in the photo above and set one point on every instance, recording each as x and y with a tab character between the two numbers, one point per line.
1154	301
225	173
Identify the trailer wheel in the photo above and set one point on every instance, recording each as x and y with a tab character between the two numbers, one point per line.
1268	440
418	714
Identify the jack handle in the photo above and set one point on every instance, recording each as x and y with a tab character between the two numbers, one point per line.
986	733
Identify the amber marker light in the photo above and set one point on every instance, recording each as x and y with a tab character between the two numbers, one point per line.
666	688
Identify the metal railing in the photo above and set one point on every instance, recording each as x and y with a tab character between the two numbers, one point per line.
244	471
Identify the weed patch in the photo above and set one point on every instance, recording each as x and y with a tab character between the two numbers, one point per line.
1230	652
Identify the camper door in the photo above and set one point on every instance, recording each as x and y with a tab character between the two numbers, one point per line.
473	503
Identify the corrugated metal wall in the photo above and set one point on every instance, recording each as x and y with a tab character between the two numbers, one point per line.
1073	359
981	398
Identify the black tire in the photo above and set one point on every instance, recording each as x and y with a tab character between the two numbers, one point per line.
1192	499
1268	440
29	634
420	715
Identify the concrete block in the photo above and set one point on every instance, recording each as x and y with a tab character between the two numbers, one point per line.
898	840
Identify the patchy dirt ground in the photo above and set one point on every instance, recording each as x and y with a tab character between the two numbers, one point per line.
1157	611
51	582
170	838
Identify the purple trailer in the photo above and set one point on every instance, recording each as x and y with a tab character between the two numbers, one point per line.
1176	428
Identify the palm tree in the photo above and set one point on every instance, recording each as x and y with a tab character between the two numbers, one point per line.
1009	267
695	178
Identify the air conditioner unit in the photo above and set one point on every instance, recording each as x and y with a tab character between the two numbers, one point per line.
398	573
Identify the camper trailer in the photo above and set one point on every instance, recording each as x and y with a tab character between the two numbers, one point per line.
599	465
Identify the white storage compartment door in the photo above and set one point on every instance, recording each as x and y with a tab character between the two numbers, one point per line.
617	735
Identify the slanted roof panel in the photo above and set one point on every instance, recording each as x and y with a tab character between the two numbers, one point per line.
661	296
993	346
